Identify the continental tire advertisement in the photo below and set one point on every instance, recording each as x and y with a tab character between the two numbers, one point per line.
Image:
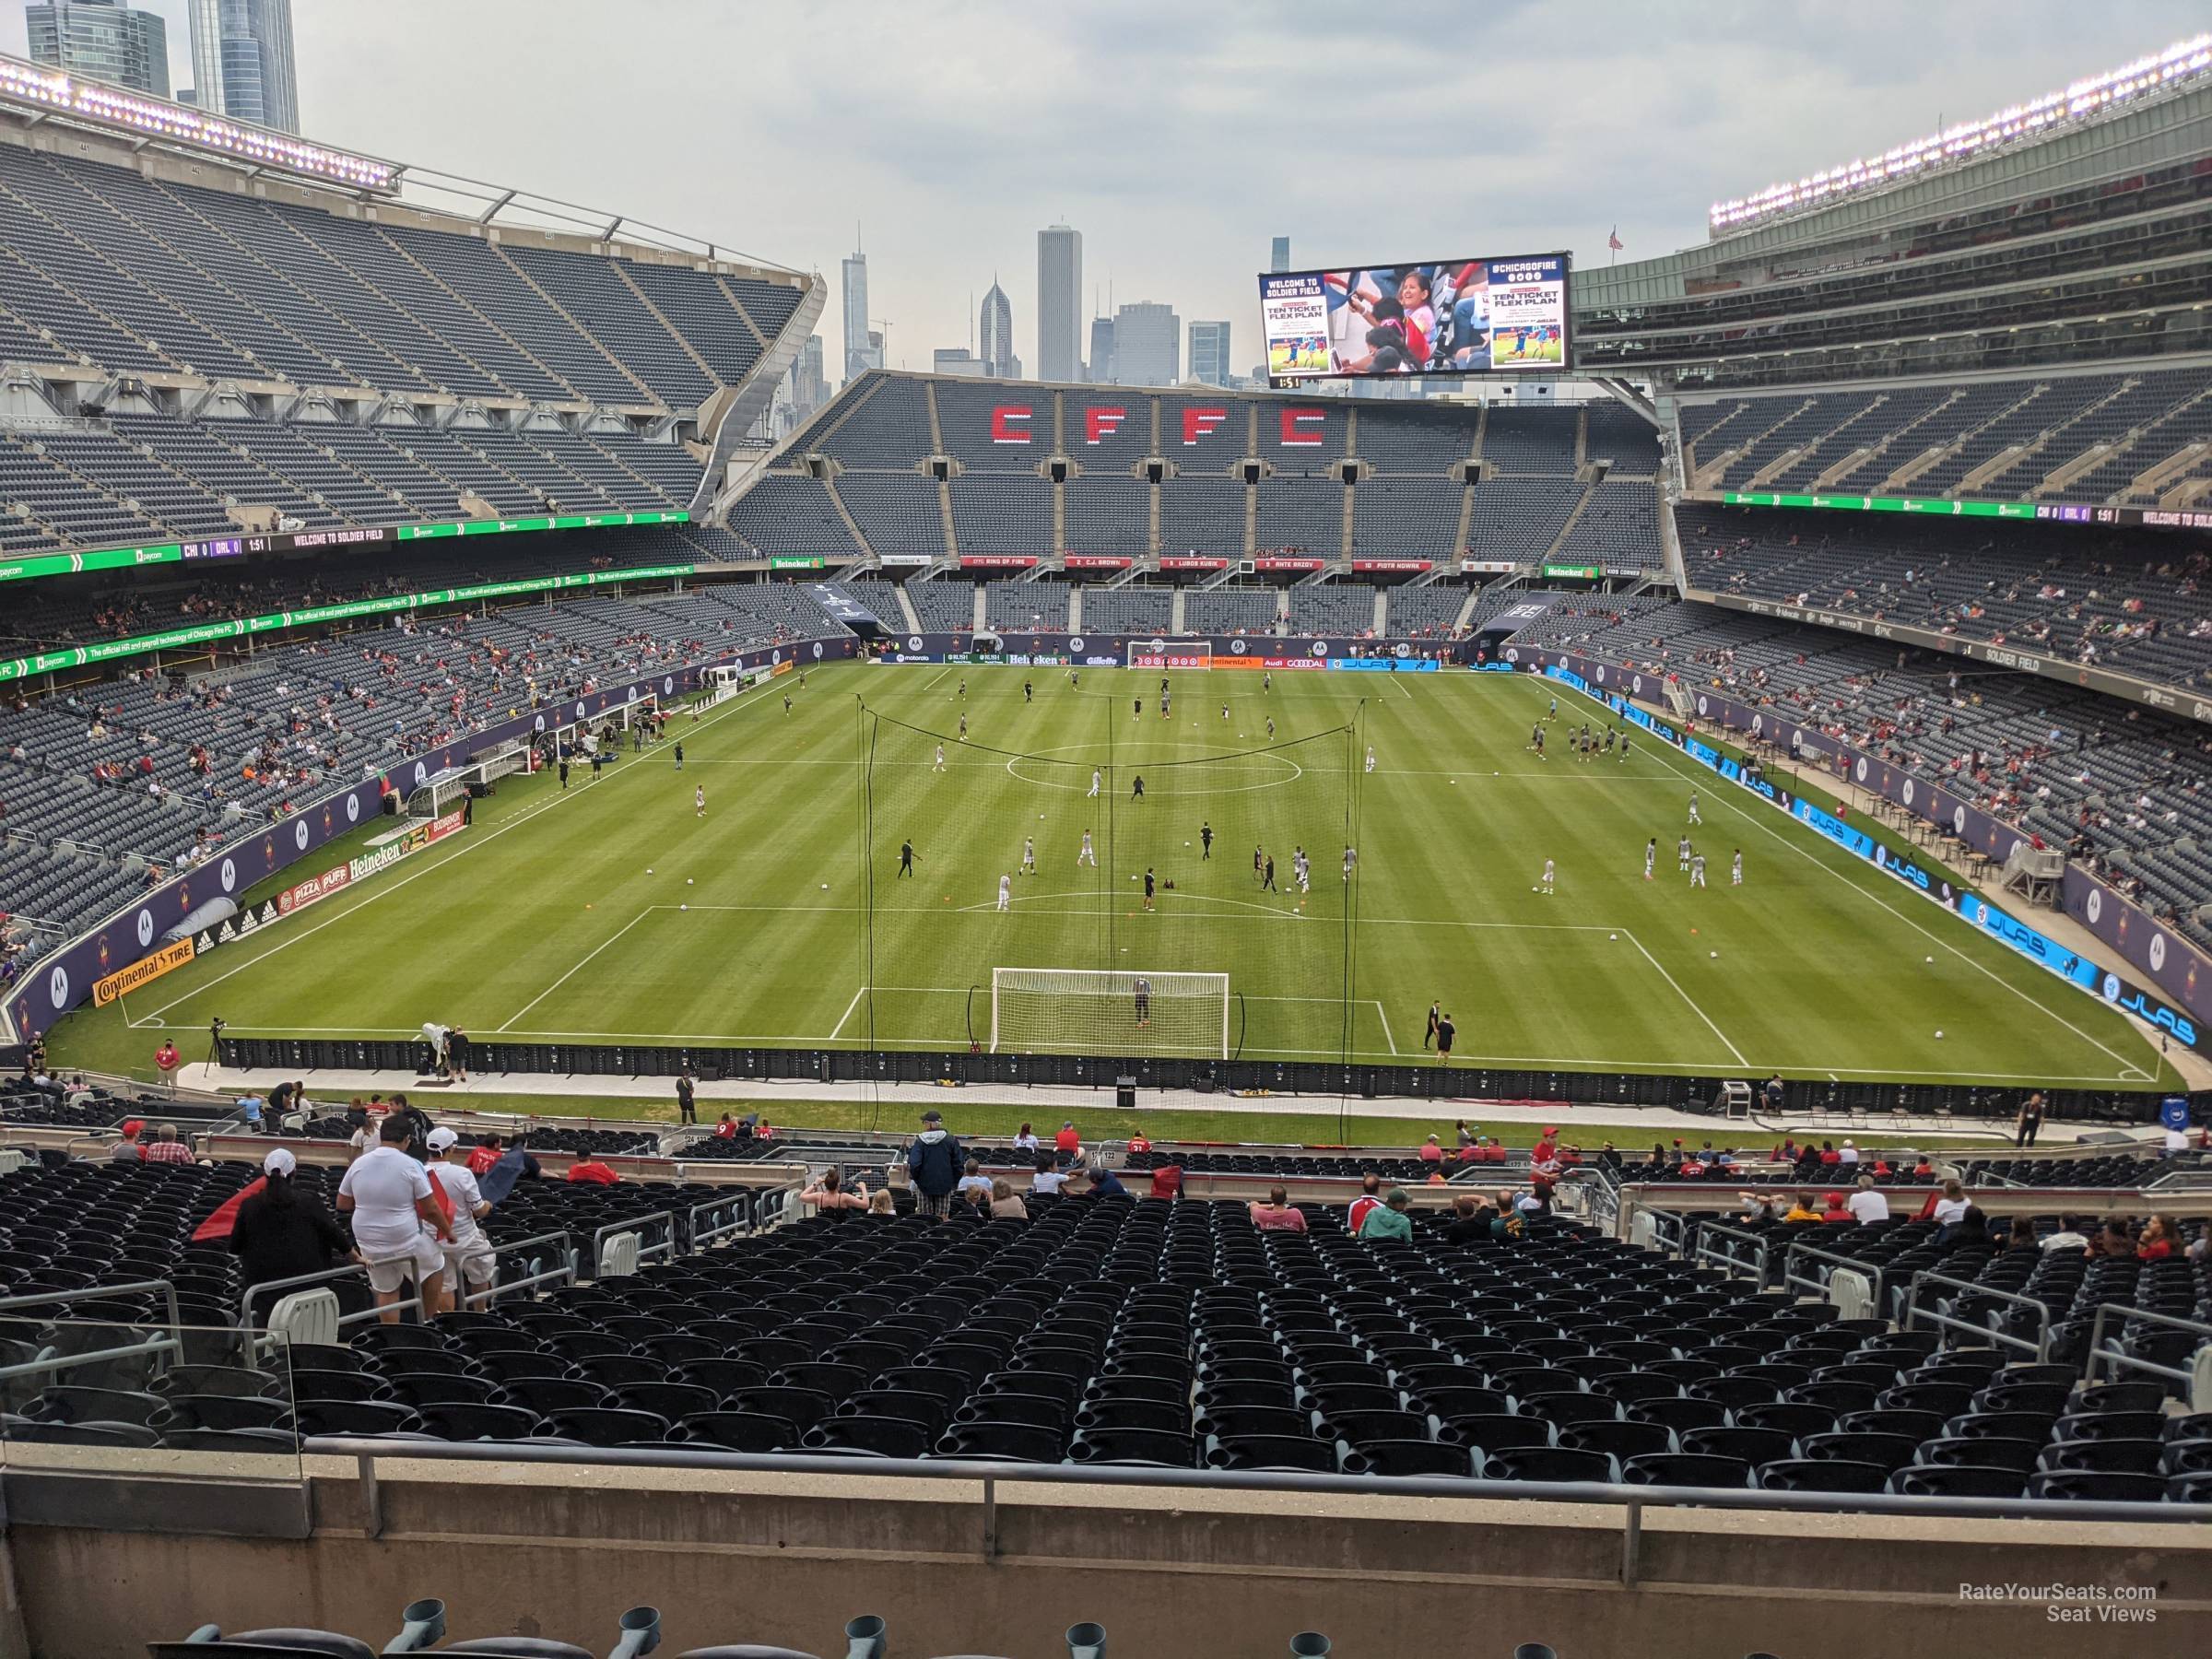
145	971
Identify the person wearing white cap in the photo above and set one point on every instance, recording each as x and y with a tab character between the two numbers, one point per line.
468	1252
397	1225
284	1232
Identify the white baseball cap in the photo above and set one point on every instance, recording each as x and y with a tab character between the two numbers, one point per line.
439	1139
279	1163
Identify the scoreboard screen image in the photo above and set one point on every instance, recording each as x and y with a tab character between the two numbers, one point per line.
1455	316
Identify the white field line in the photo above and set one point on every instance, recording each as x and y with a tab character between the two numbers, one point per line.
838	1028
1695	1007
1722	794
1383	1015
579	966
384	889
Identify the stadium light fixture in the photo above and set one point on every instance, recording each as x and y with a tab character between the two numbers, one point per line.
2186	60
25	85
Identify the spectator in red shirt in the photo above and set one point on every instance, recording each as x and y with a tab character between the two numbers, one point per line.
486	1154
2155	1243
592	1170
1831	1209
167	1149
1276	1215
166	1061
727	1129
1785	1153
1067	1142
1370	1197
1431	1152
1830	1157
1137	1143
1470	1152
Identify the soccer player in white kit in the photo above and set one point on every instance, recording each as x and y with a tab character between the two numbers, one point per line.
1736	869
698	801
1304	867
1682	854
1351	857
1651	856
1094	787
1006	892
1086	856
1697	871
1371	756
1029	855
938	764
1547	876
1693	808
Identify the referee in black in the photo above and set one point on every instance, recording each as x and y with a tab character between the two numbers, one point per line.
685	1110
906	859
1205	841
1148	887
1267	881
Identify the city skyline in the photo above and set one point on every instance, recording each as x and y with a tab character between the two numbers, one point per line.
1059	303
102	39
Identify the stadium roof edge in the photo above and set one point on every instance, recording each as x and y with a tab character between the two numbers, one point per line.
127	125
2086	103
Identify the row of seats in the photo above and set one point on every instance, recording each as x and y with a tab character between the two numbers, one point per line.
141	275
1174	1334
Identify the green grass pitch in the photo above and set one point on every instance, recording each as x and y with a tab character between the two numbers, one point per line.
564	915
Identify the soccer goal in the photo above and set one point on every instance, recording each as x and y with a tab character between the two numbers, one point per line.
1081	1010
1170	654
436	796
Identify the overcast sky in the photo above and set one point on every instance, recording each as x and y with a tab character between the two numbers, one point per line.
1177	136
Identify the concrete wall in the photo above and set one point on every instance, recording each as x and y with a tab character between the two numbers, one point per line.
1183	1574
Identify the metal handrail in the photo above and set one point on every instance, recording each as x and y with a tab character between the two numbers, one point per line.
1820	1287
742	1208
2120	1358
2040	1347
988	1474
99	1293
1730	1258
351	1270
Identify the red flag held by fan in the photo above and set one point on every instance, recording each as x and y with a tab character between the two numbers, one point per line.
218	1226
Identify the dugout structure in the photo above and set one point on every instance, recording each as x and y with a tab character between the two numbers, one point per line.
1236	965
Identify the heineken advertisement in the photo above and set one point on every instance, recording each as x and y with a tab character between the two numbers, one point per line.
1563	572
207	633
308	541
779	561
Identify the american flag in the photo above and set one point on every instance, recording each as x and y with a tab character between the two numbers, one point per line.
1613	239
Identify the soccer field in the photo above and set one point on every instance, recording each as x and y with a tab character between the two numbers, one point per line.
615	911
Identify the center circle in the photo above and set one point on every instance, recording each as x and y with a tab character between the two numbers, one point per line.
1077	777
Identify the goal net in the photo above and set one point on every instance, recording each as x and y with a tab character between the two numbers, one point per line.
1170	654
438	794
1086	1011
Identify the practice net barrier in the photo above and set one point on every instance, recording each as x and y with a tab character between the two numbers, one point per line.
1082	1010
1043	882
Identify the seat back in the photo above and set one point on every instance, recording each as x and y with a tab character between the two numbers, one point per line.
310	1315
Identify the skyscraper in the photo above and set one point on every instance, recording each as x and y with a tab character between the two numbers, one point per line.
1279	254
1059	303
1147	344
863	351
1209	353
809	385
241	61
1103	365
996	333
103	41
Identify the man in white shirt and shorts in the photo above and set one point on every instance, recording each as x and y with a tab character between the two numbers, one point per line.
396	1222
468	1252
